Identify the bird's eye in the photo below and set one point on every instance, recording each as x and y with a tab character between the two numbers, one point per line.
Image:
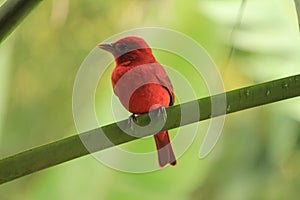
122	47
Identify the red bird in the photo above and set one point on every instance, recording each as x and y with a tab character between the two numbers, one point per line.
142	85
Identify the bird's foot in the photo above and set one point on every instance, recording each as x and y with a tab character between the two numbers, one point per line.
131	120
161	111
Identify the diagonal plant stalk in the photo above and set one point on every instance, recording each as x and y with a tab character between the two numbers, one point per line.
11	14
63	150
297	5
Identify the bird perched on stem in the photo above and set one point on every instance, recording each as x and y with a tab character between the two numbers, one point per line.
142	85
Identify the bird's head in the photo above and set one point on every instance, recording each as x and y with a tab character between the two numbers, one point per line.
129	51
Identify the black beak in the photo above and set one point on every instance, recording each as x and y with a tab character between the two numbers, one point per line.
107	47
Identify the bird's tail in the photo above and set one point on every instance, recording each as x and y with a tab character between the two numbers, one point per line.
164	149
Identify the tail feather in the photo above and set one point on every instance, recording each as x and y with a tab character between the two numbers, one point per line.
164	149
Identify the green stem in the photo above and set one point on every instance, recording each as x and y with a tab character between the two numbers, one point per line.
297	5
11	14
72	147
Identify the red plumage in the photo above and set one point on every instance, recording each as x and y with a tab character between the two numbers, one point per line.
142	85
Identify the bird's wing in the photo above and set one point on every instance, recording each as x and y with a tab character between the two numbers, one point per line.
138	76
164	80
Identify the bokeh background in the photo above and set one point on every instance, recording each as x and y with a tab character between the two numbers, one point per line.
258	155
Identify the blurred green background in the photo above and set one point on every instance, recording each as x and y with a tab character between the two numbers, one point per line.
257	156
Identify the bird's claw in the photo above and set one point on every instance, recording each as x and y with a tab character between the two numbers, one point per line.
162	111
131	120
